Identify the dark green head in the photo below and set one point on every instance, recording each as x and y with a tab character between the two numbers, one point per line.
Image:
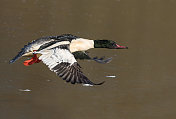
108	44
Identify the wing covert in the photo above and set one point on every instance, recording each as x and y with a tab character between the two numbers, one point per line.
60	60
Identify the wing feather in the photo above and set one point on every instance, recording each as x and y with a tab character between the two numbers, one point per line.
60	60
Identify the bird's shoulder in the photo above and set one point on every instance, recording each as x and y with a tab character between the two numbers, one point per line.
54	41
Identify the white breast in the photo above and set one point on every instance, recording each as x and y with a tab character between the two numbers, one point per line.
81	44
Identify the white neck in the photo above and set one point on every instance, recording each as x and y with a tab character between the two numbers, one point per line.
81	44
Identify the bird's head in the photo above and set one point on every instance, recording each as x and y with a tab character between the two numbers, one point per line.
108	44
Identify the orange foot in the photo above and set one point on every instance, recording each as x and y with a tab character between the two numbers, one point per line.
32	61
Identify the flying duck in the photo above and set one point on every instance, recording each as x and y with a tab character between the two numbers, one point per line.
59	53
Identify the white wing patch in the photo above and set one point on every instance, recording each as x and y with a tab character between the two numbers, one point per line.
63	63
53	57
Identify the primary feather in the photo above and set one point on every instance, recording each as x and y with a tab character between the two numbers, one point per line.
60	60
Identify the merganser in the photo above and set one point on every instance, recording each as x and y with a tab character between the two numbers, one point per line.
59	53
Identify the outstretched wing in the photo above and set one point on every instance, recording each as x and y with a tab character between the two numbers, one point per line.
60	60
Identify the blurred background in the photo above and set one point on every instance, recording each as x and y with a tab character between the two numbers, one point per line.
144	83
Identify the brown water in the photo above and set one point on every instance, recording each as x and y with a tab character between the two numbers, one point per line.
145	83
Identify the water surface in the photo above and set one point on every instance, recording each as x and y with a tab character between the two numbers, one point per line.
144	87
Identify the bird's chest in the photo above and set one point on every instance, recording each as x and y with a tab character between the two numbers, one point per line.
81	45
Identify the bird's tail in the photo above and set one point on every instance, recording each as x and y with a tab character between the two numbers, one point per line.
20	54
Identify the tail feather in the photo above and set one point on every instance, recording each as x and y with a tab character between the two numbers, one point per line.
17	56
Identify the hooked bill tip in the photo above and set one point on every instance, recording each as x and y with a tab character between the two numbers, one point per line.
121	47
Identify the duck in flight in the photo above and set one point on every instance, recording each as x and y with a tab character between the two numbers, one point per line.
59	53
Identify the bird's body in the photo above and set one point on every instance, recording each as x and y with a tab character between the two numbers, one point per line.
81	44
59	53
